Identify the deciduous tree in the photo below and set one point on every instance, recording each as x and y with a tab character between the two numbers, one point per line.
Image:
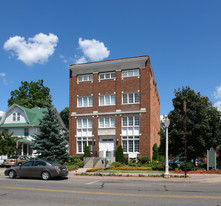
203	124
33	94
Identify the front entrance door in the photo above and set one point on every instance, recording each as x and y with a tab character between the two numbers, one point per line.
106	147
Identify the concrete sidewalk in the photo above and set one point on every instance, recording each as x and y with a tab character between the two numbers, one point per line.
209	178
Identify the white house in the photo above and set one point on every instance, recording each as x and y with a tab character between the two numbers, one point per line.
24	123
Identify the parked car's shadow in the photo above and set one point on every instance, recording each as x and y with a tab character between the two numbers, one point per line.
51	179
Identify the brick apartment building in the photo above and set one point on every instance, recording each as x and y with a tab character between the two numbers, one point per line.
112	103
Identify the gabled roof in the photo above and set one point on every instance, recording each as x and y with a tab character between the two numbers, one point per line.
33	116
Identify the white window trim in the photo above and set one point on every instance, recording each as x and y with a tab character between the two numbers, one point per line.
82	144
133	139
133	70
84	76
83	101
84	128
16	117
104	118
128	98
110	96
106	74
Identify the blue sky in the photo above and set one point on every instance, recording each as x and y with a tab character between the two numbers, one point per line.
39	39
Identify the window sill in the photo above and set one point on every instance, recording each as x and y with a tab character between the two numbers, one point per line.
131	103
107	105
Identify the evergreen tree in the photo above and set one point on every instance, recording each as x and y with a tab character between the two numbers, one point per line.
155	152
51	143
86	150
120	154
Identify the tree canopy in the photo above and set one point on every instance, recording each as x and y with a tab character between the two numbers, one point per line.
65	116
203	129
33	94
7	143
51	143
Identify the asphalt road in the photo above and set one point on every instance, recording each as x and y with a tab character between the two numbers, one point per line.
36	192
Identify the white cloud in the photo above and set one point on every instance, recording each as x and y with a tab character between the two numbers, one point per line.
93	50
81	60
36	50
1	113
218	105
217	93
2	74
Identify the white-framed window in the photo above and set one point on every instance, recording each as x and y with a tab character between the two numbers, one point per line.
84	127
26	132
131	73
85	78
106	100
131	126
16	116
131	98
85	101
107	75
81	144
106	122
131	144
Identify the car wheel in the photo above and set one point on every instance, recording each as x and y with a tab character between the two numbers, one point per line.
12	174
45	175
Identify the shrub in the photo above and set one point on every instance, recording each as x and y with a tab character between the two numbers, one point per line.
189	166
120	154
115	164
161	158
126	160
144	159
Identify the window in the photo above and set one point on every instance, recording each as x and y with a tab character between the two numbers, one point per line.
130	133
106	100
85	101
81	144
39	164
26	132
131	98
28	164
84	127
131	73
16	116
107	122
109	75
131	144
84	134
85	78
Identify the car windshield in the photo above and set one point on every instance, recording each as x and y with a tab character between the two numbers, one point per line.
176	159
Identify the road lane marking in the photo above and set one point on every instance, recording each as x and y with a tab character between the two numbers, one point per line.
89	183
114	194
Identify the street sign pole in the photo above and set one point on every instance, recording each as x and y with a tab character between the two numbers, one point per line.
184	108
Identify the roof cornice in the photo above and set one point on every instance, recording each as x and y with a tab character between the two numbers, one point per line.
102	66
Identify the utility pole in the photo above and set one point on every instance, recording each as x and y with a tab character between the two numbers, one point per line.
184	109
